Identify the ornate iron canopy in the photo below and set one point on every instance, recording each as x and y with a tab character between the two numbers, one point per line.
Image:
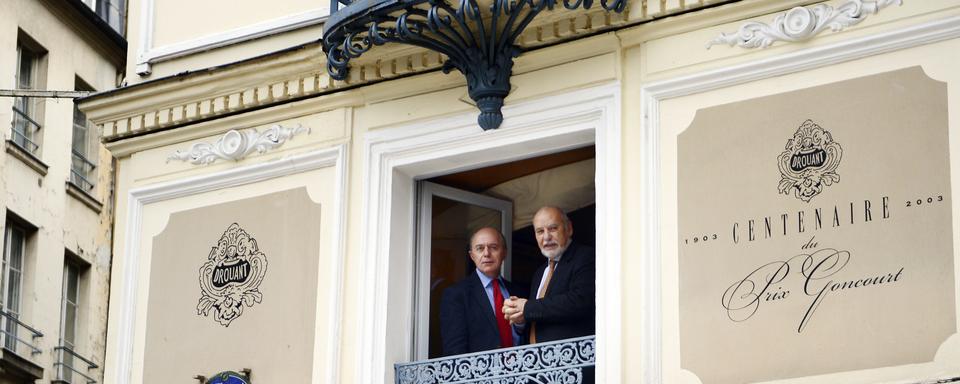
478	40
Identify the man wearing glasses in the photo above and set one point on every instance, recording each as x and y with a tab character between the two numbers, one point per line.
471	311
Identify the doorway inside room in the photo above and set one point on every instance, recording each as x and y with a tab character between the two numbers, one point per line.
504	196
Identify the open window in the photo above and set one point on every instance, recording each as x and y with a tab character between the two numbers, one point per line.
451	215
28	111
21	342
505	196
84	147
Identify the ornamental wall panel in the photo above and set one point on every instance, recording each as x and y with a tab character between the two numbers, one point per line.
233	269
230	278
808	217
827	233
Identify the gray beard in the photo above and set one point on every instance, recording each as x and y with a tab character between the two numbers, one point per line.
559	251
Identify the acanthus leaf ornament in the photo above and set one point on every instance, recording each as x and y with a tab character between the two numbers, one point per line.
238	144
801	23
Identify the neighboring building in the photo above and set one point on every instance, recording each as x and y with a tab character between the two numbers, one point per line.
770	187
57	188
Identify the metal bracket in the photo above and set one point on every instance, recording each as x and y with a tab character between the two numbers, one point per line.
480	42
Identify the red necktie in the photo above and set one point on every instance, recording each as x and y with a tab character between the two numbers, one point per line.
506	336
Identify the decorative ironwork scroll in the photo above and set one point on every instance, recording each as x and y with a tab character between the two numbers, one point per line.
799	24
479	41
559	362
236	145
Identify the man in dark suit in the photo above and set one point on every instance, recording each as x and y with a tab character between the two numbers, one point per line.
565	302
471	317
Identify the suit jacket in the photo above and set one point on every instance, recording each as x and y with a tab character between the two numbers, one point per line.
467	321
569	306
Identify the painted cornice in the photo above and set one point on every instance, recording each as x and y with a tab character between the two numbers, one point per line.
299	73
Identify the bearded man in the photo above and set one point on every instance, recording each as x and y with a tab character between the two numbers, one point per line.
565	302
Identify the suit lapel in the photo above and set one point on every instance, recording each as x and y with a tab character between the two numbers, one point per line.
479	297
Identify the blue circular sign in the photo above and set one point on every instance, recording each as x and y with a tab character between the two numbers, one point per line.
228	377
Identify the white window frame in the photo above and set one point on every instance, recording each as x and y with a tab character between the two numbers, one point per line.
428	191
148	53
66	360
67	268
28	107
12	298
83	161
398	156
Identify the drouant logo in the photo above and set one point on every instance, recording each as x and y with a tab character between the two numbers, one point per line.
231	276
809	162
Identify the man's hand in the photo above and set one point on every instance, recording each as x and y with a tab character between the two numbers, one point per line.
513	310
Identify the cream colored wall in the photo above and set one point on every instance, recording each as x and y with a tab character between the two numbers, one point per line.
678	113
180	22
65	223
374	108
655	55
634	57
150	167
276	349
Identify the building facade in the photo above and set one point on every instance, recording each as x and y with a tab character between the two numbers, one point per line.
57	188
768	186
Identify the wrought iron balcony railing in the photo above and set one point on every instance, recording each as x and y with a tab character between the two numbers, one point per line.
67	372
10	329
560	361
24	131
81	170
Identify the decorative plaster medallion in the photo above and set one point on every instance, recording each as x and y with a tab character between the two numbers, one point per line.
236	145
231	276
809	162
799	24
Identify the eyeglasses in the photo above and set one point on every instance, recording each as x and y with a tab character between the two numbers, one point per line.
492	247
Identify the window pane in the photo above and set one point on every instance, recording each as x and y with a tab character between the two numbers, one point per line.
11	336
13	293
16	254
65	373
79	131
14	264
84	145
23	105
13	243
73	280
24	130
26	62
453	223
70	324
68	320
